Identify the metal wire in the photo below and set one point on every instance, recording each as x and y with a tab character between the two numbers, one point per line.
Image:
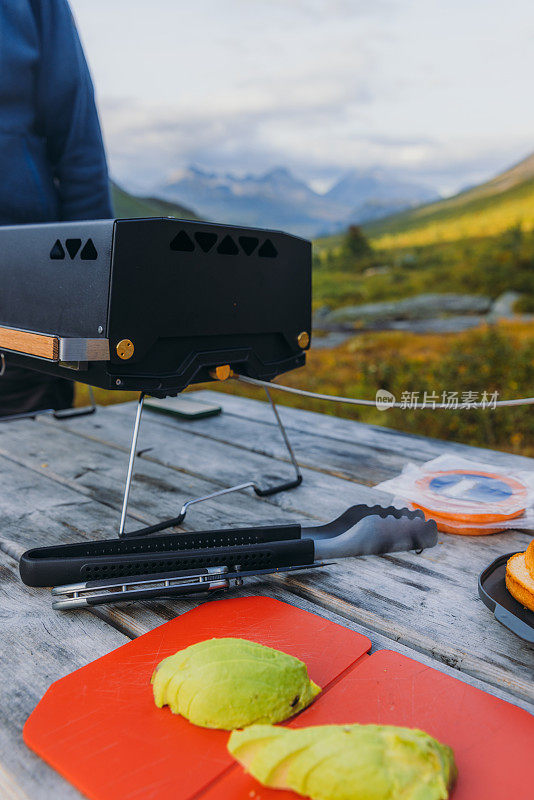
131	460
174	521
283	431
522	401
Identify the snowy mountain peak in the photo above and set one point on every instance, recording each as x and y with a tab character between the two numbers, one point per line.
278	199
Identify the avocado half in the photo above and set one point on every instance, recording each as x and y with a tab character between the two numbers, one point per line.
231	683
347	762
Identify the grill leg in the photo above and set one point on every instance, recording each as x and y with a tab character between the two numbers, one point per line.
131	460
169	523
281	487
66	413
70	413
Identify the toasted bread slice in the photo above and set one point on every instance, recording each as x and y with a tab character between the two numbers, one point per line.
519	582
529	559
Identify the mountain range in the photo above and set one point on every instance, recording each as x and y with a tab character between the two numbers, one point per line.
277	199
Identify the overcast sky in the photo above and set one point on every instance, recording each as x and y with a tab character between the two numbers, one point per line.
438	89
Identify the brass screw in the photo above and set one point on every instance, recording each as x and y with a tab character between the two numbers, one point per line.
303	339
125	349
221	373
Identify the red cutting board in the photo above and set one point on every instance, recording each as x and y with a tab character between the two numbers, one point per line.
99	726
493	741
100	729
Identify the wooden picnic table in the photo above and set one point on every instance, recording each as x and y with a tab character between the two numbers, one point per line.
62	481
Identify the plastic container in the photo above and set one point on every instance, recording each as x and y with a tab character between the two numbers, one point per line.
466	497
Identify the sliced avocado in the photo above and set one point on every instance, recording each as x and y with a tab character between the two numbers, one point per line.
232	683
347	762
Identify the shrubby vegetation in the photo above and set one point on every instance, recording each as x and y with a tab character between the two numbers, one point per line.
494	358
488	266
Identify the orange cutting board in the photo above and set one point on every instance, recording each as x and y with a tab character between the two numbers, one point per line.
101	730
99	726
492	740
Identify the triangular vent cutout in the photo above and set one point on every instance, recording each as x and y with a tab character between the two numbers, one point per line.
183	243
89	251
73	245
206	240
228	247
268	250
249	244
57	251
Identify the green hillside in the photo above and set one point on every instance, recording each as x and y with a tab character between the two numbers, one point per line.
127	205
505	202
480	241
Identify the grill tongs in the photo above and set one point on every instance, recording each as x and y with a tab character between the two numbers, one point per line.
176	564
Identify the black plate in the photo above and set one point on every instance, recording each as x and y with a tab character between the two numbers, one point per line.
493	593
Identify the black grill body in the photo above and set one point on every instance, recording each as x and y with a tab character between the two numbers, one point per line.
189	296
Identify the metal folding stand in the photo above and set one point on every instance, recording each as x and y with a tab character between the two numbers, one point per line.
169	523
66	413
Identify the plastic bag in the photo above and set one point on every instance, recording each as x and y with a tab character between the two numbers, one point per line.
466	497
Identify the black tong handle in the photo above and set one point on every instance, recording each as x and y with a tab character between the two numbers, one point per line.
252	548
360	530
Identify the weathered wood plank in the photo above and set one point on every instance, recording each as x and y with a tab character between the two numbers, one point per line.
37	647
147	615
375	438
60	486
428	601
70	642
347	457
220	462
321	443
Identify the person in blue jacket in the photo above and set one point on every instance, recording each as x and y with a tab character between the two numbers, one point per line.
52	160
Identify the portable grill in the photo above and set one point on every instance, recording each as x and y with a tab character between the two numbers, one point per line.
154	305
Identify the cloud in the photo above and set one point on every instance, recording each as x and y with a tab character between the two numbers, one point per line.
314	133
249	127
330	9
311	136
321	86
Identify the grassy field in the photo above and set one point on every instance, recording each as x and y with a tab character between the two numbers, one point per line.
487	266
478	218
504	202
498	358
480	241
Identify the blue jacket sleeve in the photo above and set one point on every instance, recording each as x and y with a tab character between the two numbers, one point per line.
67	118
